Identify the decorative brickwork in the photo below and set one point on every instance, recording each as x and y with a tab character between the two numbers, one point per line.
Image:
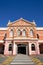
28	34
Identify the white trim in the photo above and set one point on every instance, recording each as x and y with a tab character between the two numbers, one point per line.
1	41
21	38
40	40
24	20
26	38
3	28
39	28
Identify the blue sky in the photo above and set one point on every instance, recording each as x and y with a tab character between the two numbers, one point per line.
15	9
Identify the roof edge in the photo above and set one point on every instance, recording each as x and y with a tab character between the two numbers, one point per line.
3	28
22	19
39	28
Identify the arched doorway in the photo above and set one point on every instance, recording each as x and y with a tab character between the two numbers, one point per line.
41	48
1	49
21	49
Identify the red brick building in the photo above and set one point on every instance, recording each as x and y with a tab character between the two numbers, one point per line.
21	36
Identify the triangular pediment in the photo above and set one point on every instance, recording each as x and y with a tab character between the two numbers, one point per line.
21	22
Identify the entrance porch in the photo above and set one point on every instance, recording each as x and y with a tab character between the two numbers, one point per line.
21	48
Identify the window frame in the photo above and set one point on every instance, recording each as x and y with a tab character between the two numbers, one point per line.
24	32
11	33
10	47
33	47
31	33
18	32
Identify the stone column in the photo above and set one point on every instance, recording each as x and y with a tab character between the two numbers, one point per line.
6	52
26	50
37	49
29	48
14	48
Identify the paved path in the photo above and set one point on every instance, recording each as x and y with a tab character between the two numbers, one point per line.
22	60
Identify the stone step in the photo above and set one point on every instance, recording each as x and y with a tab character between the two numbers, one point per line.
22	60
23	63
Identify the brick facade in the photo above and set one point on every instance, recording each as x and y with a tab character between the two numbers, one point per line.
21	33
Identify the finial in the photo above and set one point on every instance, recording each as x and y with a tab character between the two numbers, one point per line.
21	18
34	22
9	22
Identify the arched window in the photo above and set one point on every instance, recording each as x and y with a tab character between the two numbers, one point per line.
11	33
33	47
37	36
10	47
24	33
31	32
19	32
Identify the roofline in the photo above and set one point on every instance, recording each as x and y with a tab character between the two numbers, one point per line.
39	28
3	28
21	19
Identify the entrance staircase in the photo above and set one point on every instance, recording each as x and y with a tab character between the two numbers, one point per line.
21	59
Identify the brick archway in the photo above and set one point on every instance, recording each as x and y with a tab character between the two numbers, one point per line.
41	48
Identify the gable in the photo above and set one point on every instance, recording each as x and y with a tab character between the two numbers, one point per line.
21	22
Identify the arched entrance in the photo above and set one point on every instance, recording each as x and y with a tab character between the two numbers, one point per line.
41	48
21	49
1	49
